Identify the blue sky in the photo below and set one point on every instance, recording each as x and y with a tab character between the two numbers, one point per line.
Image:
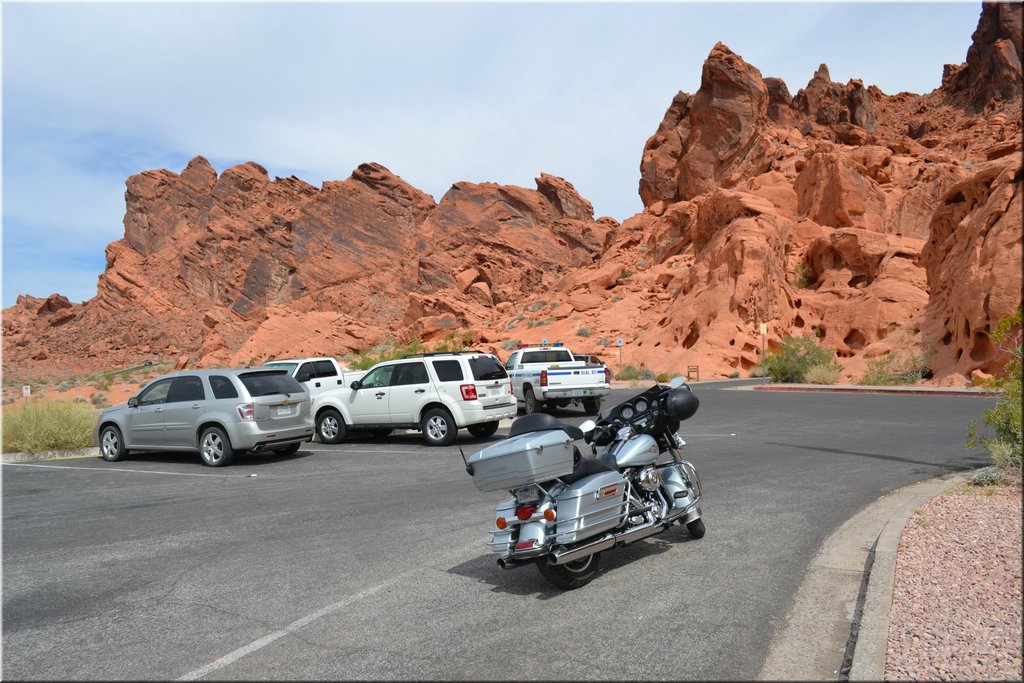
436	92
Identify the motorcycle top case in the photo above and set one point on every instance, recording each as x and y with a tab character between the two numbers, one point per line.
522	459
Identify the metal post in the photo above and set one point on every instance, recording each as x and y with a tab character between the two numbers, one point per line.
764	361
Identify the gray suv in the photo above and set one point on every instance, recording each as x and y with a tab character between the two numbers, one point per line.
219	413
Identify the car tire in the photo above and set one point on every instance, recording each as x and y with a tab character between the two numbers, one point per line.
215	447
438	427
330	426
530	404
111	444
483	430
288	450
592	406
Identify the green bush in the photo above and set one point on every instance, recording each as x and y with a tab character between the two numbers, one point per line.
1005	418
47	426
896	368
795	356
987	476
822	374
632	372
663	377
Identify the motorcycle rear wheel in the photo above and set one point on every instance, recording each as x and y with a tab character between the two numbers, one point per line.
571	574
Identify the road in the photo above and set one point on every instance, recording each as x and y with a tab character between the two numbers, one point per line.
366	560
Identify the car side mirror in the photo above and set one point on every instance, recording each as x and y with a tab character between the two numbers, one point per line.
133	402
356	384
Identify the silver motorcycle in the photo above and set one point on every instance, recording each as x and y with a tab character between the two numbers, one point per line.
565	508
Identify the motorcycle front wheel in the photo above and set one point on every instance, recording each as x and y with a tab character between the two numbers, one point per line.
571	574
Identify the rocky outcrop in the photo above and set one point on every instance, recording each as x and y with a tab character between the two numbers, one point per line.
992	73
874	223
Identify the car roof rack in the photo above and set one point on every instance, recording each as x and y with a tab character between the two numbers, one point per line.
441	353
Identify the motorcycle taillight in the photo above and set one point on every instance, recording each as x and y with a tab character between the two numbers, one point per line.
524	512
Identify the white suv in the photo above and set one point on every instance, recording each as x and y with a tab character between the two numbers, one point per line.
436	393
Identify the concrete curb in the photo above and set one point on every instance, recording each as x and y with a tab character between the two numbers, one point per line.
13	458
872	643
839	618
868	389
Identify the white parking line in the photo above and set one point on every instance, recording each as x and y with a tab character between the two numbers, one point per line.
119	469
290	628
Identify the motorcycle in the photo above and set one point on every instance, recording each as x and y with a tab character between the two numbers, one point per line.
565	509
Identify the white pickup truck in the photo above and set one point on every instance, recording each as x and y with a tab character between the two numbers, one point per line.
549	376
319	375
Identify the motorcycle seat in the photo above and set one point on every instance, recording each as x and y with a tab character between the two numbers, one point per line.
584	468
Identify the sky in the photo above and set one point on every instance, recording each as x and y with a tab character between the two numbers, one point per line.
437	92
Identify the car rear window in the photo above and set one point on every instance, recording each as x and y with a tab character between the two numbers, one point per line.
486	368
547	357
448	370
268	382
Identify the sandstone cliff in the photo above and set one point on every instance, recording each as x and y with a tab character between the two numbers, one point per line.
871	221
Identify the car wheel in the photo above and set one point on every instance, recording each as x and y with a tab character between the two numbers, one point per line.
111	444
330	426
289	450
215	447
438	427
571	574
592	406
483	430
530	402
696	528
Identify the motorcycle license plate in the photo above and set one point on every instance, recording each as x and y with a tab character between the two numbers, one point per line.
526	494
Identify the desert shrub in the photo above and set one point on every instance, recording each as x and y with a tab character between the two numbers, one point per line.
755	371
822	374
1005	418
536	306
583	332
987	476
510	344
99	400
734	374
795	356
603	341
47	426
902	366
663	377
632	372
391	350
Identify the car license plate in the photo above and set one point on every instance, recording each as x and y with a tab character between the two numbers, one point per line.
285	410
494	391
526	494
576	392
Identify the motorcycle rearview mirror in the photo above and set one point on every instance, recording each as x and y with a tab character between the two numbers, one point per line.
677	382
588	426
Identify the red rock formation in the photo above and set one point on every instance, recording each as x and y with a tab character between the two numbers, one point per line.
873	222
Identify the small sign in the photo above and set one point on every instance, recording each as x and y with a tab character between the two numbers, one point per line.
544	341
26	391
620	341
764	329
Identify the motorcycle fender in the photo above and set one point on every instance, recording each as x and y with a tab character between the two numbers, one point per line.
532	540
674	482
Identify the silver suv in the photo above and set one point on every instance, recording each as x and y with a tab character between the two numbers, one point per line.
436	393
219	413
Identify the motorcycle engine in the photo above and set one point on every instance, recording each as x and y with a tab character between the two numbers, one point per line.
649	479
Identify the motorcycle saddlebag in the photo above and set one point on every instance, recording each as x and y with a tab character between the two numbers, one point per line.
523	459
590	506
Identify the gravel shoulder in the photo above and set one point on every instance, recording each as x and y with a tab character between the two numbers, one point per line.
957	592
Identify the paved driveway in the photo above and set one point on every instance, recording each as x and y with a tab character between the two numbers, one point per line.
367	559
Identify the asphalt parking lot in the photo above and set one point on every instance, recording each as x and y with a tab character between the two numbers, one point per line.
367	560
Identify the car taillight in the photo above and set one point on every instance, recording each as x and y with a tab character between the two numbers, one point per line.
468	392
246	411
543	378
607	375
